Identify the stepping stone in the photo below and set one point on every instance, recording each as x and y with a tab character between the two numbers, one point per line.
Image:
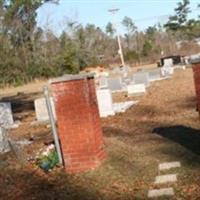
169	165
161	192
166	178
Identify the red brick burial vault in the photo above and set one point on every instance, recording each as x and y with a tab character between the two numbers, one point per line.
79	126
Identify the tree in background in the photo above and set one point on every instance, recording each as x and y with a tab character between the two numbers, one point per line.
130	27
110	30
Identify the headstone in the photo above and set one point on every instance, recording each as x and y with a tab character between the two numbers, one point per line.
167	70
4	146
168	62
141	78
105	104
103	82
6	118
155	74
136	89
41	109
115	84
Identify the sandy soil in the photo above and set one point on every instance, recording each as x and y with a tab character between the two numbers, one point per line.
163	127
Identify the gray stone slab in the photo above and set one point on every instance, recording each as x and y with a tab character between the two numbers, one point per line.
115	84
6	118
41	109
160	192
141	78
166	178
154	74
4	145
103	82
169	165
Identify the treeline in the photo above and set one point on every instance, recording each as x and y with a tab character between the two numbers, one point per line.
28	52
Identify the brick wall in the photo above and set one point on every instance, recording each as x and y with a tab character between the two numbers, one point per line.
196	75
78	124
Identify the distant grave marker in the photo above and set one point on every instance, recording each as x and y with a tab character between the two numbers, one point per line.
136	89
103	82
6	118
155	74
141	78
41	109
115	84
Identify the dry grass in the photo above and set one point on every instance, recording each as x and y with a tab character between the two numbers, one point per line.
163	127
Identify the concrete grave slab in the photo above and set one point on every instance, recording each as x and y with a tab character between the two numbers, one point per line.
166	178
6	117
169	165
161	192
155	74
103	82
141	78
41	109
136	89
105	104
115	84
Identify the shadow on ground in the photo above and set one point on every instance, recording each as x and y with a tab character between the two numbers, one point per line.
185	136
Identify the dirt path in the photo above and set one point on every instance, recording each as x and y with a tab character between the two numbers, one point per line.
163	127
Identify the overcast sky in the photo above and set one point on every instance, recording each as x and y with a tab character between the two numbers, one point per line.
144	12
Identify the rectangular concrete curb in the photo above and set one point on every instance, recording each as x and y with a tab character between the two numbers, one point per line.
160	192
169	165
166	178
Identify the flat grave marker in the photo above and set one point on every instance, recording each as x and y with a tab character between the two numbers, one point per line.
161	192
169	165
166	178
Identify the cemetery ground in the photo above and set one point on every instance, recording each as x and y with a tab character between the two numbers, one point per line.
162	127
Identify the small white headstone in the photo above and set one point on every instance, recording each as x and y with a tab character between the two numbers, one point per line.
41	109
105	104
168	62
136	89
6	118
166	178
161	192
